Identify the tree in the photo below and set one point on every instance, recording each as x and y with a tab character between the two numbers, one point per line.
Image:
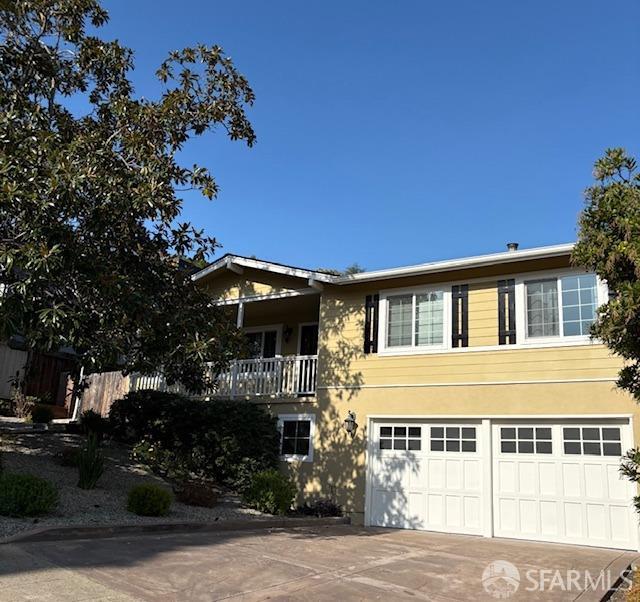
609	245
90	230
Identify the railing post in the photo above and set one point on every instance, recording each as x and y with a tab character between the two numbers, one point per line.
234	378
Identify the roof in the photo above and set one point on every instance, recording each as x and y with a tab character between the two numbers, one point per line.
505	257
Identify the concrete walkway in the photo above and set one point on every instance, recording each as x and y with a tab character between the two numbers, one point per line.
320	563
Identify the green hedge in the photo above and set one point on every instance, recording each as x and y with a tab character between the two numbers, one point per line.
224	441
26	495
270	491
149	500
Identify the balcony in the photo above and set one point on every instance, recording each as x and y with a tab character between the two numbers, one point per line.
274	377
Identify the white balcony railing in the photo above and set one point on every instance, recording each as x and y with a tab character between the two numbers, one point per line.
287	376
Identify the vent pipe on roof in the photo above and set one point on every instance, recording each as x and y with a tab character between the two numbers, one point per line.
512	246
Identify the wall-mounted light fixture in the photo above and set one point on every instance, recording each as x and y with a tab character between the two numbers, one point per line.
350	424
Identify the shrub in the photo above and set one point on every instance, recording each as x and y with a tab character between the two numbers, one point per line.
149	500
41	414
222	441
270	491
90	464
22	404
93	423
26	495
321	507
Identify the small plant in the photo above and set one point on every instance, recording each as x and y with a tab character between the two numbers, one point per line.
26	495
270	491
149	500
41	414
321	507
22	404
90	464
92	422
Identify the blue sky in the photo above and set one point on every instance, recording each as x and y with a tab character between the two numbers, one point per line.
392	133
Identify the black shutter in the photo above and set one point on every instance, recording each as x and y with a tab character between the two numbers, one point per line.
371	324
460	315
506	312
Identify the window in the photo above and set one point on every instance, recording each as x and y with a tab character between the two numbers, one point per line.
415	320
592	441
453	438
563	306
401	437
263	342
525	440
296	432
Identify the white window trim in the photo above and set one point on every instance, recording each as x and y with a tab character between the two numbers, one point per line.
312	429
276	327
521	309
383	349
523	341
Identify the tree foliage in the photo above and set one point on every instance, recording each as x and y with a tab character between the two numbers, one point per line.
609	245
90	230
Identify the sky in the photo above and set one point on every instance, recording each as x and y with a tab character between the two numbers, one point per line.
393	133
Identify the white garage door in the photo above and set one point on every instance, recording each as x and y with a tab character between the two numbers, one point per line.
547	481
561	482
427	476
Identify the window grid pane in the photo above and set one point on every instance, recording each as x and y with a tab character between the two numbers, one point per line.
592	441
525	440
399	320
401	438
429	319
453	439
579	302
296	437
542	308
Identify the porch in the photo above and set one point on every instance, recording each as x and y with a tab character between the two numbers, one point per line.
282	342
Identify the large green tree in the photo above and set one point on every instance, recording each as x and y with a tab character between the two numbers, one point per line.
609	245
90	230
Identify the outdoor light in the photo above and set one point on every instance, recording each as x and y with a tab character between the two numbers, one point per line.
350	424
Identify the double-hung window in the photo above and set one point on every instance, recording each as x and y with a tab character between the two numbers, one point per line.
415	320
560	306
296	436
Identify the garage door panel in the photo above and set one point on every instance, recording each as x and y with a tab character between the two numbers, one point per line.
566	493
441	483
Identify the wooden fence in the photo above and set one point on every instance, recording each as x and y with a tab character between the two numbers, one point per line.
102	390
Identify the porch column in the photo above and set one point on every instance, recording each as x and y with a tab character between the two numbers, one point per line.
240	319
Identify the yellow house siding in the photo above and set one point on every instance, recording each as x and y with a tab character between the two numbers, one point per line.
339	467
229	285
483	313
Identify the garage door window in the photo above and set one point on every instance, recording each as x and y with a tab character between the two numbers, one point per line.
453	438
525	440
401	437
592	441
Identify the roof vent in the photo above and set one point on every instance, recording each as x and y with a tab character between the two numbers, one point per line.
512	246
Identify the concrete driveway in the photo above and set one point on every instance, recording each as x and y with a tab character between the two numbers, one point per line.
323	563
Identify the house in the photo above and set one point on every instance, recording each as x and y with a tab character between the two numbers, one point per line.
482	405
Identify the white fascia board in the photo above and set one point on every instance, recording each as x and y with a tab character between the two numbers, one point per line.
457	264
267	266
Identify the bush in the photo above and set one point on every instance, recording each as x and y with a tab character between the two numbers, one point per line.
41	414
321	507
222	441
270	491
90	464
26	495
149	500
22	404
93	423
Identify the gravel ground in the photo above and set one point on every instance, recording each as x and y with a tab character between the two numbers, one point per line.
31	452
